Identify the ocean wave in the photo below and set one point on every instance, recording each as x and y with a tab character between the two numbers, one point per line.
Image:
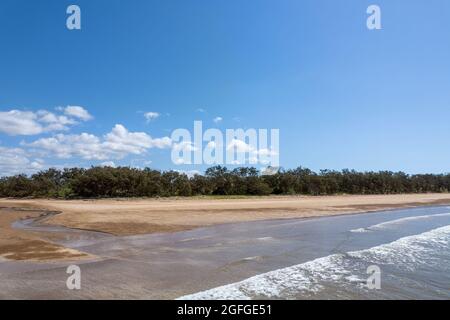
360	230
345	269
265	238
407	252
194	239
398	221
274	283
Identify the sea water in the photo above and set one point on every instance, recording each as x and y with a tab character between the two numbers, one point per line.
410	247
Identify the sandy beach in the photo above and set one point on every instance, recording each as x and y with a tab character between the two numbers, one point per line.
123	217
24	245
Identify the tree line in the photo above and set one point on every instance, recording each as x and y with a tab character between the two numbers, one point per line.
108	182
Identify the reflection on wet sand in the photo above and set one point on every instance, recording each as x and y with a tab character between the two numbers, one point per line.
168	266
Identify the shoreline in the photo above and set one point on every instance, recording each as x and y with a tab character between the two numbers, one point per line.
125	217
24	245
156	266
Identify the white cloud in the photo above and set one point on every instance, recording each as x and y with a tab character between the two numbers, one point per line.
253	159
189	173
115	145
240	146
78	112
264	152
201	110
255	155
185	146
86	146
54	122
16	161
243	147
212	145
108	164
268	171
180	161
17	122
122	141
217	119
140	163
162	143
151	116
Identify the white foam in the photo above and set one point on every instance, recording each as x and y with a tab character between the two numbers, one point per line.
271	284
360	230
255	258
287	282
407	252
265	238
354	278
195	238
395	222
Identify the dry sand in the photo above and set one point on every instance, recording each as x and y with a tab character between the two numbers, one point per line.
22	245
141	216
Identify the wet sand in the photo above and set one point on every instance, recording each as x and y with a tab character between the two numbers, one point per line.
18	244
124	217
171	265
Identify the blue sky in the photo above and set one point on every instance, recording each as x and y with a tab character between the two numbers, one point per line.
342	96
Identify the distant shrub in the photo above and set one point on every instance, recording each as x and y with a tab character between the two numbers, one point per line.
107	182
